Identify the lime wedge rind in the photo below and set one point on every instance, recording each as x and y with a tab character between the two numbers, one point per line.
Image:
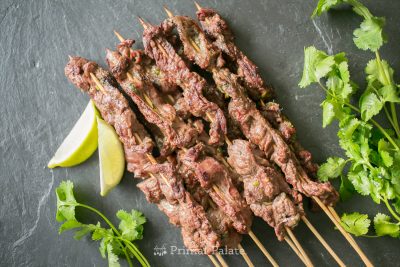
80	143
111	157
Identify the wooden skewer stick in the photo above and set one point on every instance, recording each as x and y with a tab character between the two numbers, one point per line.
262	248
214	261
294	248
144	24
322	241
245	256
316	233
221	260
149	156
197	6
298	245
119	36
169	13
348	237
98	84
192	42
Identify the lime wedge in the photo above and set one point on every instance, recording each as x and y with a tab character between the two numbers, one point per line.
111	156
80	143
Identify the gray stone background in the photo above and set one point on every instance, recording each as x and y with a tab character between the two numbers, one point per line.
38	107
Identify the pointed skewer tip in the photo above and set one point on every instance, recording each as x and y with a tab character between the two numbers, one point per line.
144	24
70	57
169	13
119	36
197	6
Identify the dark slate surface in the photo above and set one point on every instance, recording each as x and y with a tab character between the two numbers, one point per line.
39	107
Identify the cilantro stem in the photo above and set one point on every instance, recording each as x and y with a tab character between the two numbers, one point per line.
389	117
101	215
370	236
385	200
128	258
135	252
360	9
388	81
133	248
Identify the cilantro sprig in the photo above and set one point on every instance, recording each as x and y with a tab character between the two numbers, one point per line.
372	167
113	242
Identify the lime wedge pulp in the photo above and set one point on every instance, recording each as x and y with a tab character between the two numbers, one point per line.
111	157
80	143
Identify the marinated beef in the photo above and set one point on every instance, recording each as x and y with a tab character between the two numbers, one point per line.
218	30
183	211
114	109
132	78
245	113
193	85
265	188
215	178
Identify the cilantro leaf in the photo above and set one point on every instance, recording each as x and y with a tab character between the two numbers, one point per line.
328	113
131	224
384	151
68	225
332	168
370	34
355	223
384	226
397	205
66	201
112	258
370	105
380	79
325	5
374	74
85	229
316	65
360	181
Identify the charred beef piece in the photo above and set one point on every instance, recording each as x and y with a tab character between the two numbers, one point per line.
221	223
217	30
114	109
149	69
279	121
260	132
183	211
230	238
265	189
177	133
272	112
216	179
193	85
245	113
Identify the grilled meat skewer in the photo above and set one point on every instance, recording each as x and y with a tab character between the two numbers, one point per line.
207	171
197	231
211	174
218	31
265	189
192	84
253	125
126	65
